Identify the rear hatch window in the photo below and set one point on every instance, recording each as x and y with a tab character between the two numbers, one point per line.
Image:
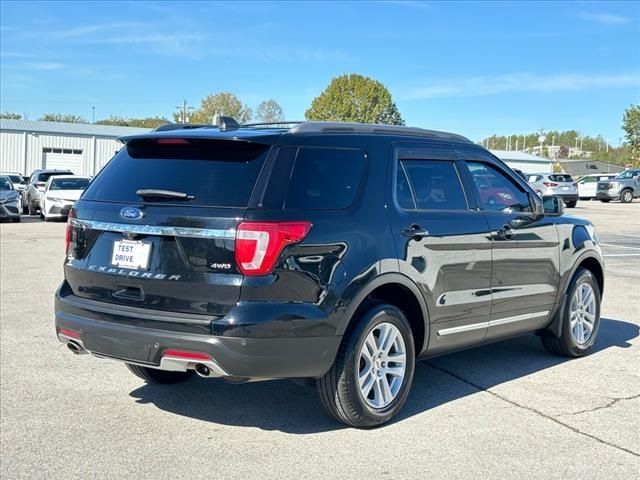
561	178
216	173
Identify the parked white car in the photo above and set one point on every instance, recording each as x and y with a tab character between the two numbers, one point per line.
588	184
59	195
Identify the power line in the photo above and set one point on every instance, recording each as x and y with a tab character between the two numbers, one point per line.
183	111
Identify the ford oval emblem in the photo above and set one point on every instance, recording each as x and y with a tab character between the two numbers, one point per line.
131	213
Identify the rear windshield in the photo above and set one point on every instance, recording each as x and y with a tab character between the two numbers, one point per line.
560	178
43	177
219	173
69	184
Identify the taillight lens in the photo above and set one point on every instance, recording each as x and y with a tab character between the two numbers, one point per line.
67	235
259	244
549	184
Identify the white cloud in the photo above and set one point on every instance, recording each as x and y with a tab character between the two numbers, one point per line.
520	82
603	18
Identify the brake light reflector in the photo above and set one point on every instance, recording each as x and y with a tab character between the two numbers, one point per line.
259	244
550	184
68	231
67	332
186	354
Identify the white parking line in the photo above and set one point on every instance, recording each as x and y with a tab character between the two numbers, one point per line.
628	235
619	246
622	255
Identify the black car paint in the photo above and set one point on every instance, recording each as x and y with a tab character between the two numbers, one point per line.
290	323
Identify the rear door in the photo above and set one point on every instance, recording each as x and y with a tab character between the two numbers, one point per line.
158	251
443	244
525	251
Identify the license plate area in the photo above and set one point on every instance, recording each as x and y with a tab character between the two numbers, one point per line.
131	254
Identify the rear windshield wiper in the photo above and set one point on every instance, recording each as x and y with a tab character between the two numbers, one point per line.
156	193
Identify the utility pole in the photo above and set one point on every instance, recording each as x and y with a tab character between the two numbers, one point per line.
93	114
183	111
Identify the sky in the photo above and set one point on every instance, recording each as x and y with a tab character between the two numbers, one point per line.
474	68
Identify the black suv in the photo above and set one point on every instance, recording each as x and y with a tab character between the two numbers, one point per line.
335	253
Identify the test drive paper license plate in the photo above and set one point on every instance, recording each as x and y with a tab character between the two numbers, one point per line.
131	254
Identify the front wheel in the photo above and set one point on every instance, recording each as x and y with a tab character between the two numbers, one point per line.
626	196
371	377
153	375
571	204
581	318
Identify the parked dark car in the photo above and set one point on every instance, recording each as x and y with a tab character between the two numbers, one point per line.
335	253
37	181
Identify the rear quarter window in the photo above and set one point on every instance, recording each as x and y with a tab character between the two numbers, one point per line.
325	178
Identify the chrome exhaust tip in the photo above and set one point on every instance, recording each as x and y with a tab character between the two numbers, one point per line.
75	348
203	370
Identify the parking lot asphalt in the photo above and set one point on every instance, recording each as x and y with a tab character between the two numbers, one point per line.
507	410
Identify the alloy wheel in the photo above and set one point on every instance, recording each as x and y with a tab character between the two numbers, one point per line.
382	365
583	313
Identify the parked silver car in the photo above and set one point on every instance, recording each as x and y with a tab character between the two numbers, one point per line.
559	184
625	187
9	200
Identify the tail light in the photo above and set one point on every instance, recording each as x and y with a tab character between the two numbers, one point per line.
69	231
550	184
259	244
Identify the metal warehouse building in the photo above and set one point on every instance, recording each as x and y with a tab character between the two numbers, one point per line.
524	161
84	149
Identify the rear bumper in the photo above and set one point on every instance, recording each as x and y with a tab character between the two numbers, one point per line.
568	197
123	338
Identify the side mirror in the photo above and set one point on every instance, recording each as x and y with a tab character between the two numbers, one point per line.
553	205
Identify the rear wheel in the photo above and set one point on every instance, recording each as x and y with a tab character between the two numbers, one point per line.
605	200
626	196
370	379
153	375
571	204
581	318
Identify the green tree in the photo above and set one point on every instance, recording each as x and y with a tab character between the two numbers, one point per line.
10	115
222	104
355	98
62	117
631	127
270	111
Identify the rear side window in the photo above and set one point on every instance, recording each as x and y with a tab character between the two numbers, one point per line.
219	173
561	178
325	178
434	184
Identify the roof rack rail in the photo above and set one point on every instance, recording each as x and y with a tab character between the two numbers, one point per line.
271	124
345	127
181	126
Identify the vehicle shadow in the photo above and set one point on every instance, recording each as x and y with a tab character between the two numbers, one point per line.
285	406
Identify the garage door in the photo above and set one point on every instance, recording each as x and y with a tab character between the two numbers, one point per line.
63	161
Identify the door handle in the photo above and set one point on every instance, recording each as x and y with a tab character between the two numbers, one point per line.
415	231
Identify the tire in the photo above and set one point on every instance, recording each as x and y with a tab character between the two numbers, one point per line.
571	204
339	389
567	345
162	377
605	200
626	196
32	211
17	220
